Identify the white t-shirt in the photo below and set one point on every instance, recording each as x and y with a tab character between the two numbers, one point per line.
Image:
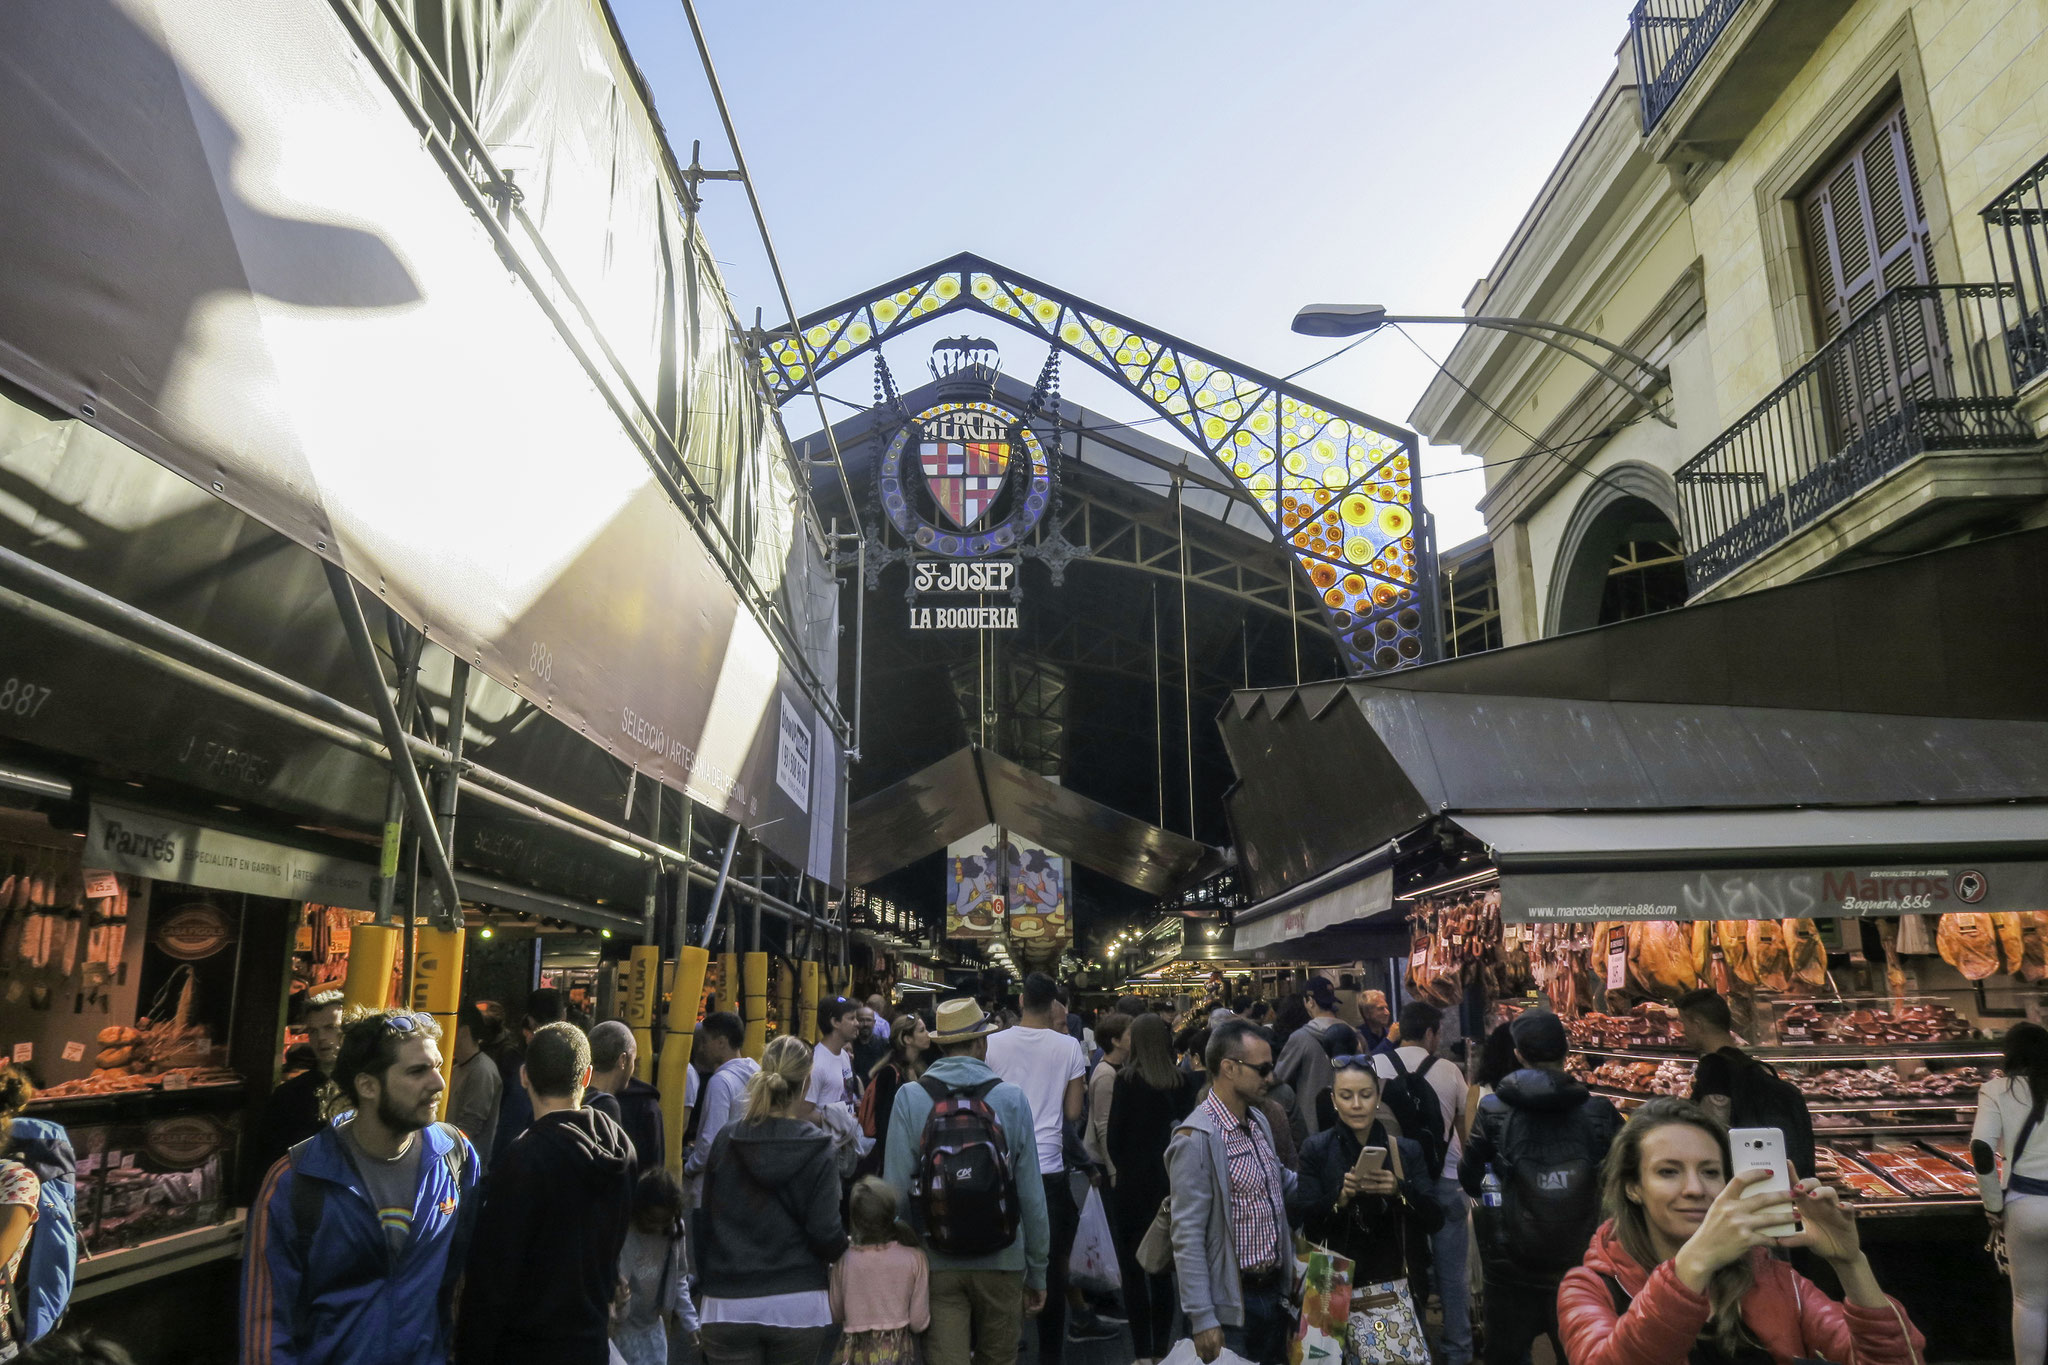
831	1077
1040	1062
1449	1084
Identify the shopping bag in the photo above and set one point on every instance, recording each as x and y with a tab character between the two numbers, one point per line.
1092	1265
1384	1328
1184	1353
1325	1280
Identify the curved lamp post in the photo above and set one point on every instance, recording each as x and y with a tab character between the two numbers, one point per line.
1356	319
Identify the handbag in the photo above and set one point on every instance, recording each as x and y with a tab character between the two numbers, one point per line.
1384	1328
1155	1248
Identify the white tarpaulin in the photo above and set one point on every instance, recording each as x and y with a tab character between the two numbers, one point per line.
227	247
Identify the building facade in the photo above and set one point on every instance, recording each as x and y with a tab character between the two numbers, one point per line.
1820	225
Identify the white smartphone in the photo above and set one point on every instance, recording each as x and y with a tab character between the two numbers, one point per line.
1369	1161
1764	1149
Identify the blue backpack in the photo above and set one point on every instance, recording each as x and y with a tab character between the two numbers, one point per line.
51	1263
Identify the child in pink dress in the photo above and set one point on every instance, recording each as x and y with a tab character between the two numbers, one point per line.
880	1291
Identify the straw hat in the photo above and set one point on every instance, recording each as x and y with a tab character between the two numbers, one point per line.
960	1020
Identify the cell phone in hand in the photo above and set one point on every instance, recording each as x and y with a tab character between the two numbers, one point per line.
1764	1149
1370	1159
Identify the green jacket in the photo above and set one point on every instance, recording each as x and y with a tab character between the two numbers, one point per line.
906	1131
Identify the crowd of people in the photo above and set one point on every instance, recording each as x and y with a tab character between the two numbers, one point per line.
910	1188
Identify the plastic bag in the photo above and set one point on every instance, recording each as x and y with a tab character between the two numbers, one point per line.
1184	1353
1093	1262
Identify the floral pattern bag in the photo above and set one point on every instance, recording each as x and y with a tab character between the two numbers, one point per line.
1384	1328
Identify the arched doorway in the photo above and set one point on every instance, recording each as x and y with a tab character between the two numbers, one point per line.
1621	556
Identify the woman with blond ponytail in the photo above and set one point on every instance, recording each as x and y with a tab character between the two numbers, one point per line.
768	1228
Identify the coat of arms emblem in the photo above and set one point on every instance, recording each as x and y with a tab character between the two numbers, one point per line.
965	456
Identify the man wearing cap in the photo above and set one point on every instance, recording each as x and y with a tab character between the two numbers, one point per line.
1544	1135
977	1303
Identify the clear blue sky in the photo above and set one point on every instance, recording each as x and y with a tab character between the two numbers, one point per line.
1204	167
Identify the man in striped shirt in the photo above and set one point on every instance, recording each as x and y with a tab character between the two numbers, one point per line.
1231	1245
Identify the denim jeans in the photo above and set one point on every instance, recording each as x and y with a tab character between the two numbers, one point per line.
1268	1328
1450	1245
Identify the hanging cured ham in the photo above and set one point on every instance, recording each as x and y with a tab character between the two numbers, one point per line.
1702	932
1969	943
1809	955
2011	942
1732	936
1660	957
2033	944
1768	954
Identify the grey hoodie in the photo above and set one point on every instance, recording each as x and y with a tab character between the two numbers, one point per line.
769	1221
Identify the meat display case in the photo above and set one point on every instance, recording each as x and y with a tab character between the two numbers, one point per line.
1891	1118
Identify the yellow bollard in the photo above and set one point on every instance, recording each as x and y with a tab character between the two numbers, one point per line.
755	975
807	1011
643	974
437	990
372	949
785	999
681	1029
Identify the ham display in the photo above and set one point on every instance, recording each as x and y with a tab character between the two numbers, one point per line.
1969	943
1768	954
1830	1023
2012	949
1809	955
2034	945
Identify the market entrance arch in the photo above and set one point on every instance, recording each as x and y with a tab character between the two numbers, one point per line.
1335	486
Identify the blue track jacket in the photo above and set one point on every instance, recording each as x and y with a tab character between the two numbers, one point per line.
349	1301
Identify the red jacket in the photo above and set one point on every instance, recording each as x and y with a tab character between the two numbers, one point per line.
1785	1312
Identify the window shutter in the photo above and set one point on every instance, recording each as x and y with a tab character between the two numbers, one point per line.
1866	231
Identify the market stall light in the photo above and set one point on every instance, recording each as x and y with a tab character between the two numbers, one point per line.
485	932
1454	884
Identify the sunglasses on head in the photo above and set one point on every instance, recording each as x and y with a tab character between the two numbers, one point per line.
406	1024
1355	1061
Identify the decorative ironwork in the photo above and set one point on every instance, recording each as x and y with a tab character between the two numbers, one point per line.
1671	38
1336	486
2016	229
1913	375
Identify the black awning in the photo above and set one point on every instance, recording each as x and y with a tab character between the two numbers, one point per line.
973	788
1774	701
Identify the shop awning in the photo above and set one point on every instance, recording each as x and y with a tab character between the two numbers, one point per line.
1878	720
1357	891
973	789
1774	864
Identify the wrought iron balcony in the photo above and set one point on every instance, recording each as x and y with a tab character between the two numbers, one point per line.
1671	38
1922	371
2016	226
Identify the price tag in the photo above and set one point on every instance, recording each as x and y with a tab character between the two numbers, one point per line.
177	1080
74	1051
1617	959
14	991
101	885
24	1052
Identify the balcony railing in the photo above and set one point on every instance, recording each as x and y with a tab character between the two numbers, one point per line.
1923	370
2016	226
1671	38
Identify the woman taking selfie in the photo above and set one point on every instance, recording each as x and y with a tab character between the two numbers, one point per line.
1681	1273
1366	1215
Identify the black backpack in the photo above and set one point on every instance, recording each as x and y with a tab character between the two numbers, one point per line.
963	1185
1418	1110
1760	1098
1550	1191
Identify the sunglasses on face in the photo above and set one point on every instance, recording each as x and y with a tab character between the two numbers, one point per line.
1263	1068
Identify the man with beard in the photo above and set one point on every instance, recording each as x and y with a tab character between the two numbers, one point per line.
295	1110
353	1235
1232	1251
544	1263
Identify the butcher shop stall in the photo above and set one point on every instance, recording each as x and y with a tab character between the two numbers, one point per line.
1827	801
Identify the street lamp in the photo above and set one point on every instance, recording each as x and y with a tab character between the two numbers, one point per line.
1358	319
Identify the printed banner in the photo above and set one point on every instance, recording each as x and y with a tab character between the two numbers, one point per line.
977	900
1773	892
